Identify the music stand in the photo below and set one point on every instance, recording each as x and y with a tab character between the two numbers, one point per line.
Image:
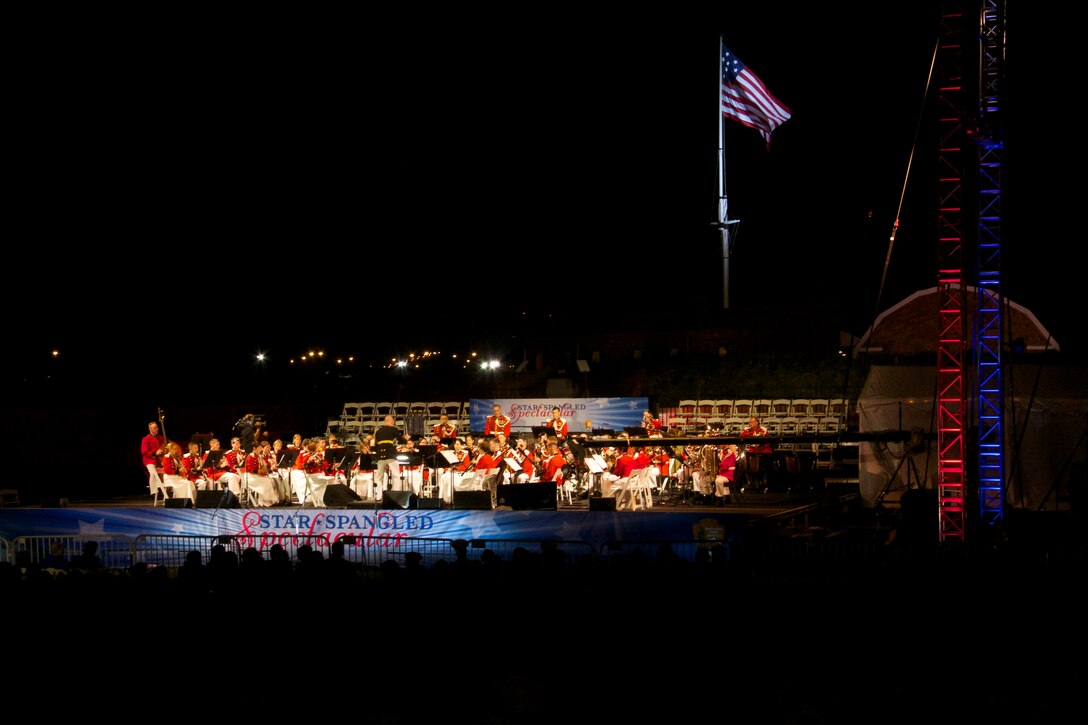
202	439
428	454
635	431
607	432
287	458
212	461
345	459
539	430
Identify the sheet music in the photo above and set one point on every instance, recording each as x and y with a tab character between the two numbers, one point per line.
513	464
593	466
600	461
450	457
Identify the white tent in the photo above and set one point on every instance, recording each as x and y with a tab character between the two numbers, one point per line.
1045	426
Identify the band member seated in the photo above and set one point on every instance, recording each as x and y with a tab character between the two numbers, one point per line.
489	467
557	423
497	422
192	463
462	476
362	471
263	491
726	468
524	456
752	464
445	429
220	474
412	472
553	466
651	424
173	473
235	459
318	473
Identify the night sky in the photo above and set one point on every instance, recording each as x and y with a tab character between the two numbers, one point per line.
218	189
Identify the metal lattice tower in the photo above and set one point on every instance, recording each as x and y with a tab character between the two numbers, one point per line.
951	468
990	317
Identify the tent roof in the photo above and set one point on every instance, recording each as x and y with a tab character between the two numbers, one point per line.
911	326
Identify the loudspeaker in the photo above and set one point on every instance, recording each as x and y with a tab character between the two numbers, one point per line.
211	499
602	503
527	496
338	494
398	500
428	503
478	500
179	503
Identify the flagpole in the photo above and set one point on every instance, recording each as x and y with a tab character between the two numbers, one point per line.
723	200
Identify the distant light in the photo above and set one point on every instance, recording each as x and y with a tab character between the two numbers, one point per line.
320	353
260	357
351	358
402	364
56	353
339	361
292	361
473	354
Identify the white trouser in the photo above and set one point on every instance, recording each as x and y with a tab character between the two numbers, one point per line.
362	483
182	486
264	488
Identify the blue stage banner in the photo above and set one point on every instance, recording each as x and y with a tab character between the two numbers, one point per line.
524	413
388	528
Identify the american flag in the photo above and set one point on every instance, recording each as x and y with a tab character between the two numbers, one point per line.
746	99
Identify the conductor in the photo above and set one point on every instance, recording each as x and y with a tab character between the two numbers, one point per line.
386	439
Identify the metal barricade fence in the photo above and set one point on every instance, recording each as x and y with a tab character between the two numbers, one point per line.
658	551
114	551
372	551
571	552
170	550
803	551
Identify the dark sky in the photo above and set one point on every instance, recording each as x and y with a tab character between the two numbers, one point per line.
218	188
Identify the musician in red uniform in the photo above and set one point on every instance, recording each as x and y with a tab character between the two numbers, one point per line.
524	456
558	423
173	473
192	463
445	429
236	464
464	456
553	467
258	467
152	448
497	423
726	468
220	474
485	464
754	454
651	424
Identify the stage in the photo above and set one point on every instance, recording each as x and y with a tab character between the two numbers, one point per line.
133	530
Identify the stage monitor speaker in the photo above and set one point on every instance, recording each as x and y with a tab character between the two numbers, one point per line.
179	503
527	496
212	499
602	503
338	494
478	500
398	500
428	503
